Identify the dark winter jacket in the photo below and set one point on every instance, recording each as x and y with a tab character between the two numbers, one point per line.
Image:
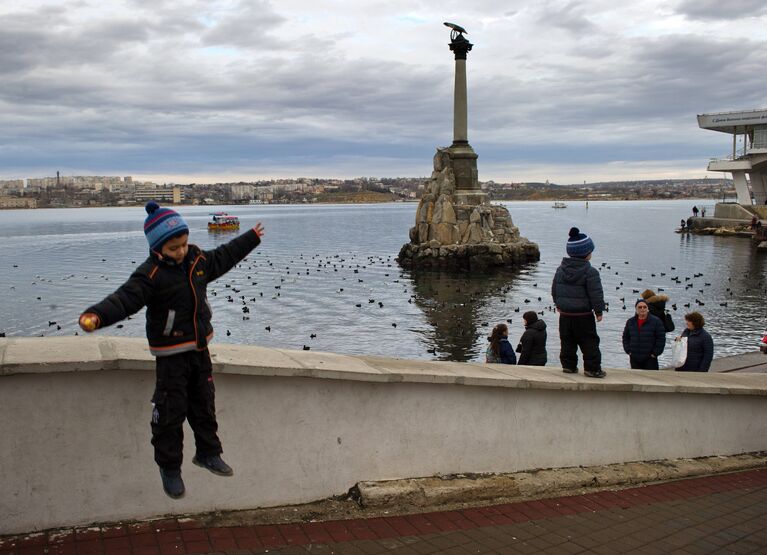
178	314
650	340
532	345
700	351
506	354
657	305
577	288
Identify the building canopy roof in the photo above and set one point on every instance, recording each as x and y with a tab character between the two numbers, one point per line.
733	122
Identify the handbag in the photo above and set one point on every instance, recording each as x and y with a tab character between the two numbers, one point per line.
679	352
668	322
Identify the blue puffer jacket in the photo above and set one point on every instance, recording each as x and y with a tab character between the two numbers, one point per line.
700	351
651	340
577	288
506	353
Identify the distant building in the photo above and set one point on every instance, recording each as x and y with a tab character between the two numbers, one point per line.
242	191
173	195
12	185
14	202
263	194
748	161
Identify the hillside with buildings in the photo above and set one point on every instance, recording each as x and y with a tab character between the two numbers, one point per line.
75	191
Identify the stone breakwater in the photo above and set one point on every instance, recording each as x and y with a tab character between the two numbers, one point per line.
460	229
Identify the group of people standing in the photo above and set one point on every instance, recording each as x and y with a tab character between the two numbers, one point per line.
644	337
531	347
579	300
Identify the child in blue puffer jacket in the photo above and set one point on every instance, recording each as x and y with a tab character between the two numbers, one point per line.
500	351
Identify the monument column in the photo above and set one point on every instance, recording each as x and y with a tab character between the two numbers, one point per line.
456	226
462	155
460	46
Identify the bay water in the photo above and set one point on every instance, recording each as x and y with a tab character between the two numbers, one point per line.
325	277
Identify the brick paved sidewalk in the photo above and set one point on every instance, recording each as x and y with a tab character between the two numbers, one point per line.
716	514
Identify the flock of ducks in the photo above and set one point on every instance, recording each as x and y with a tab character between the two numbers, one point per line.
371	282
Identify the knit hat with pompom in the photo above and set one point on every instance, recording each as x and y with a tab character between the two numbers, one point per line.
162	224
579	245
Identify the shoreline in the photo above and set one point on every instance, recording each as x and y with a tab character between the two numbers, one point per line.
329	202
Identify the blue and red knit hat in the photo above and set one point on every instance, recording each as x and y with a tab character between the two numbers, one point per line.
579	245
162	224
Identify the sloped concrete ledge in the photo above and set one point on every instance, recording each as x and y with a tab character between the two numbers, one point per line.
85	354
461	490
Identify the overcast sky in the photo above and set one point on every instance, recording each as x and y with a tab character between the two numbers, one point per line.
219	90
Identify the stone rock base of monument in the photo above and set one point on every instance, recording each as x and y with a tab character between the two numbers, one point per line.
483	256
461	229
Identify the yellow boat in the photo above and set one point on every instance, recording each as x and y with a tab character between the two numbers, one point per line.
221	221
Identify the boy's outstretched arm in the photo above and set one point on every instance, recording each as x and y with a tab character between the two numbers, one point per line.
224	257
129	298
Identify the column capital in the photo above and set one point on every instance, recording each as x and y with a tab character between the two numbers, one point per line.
460	46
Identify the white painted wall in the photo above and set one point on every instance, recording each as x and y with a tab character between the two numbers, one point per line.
299	426
741	187
758	179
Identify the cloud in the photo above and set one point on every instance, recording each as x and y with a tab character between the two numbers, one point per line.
717	10
570	16
250	24
228	85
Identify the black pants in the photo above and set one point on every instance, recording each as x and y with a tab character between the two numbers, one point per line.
649	363
184	390
579	331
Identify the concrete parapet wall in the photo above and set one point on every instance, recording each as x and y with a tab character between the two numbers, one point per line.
301	426
732	211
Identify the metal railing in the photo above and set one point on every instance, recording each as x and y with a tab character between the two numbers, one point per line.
741	152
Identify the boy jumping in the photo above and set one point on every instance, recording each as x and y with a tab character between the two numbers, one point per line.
172	284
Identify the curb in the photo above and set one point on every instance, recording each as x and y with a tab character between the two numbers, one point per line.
391	498
439	491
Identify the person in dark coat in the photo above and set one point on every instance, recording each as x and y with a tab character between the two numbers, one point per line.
644	338
172	284
700	346
579	298
657	305
532	344
499	351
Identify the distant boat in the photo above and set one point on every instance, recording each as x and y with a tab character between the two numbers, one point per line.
559	204
221	221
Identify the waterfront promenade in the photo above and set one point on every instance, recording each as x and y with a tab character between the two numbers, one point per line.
378	454
715	514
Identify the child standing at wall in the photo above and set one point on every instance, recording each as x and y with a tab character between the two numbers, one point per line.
578	296
499	351
172	284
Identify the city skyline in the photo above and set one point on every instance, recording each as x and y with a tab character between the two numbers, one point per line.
229	90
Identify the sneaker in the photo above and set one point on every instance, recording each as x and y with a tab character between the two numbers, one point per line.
215	464
172	483
570	370
595	373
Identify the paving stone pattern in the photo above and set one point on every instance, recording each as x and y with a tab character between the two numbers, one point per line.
721	514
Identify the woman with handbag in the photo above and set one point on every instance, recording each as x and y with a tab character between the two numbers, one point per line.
700	346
